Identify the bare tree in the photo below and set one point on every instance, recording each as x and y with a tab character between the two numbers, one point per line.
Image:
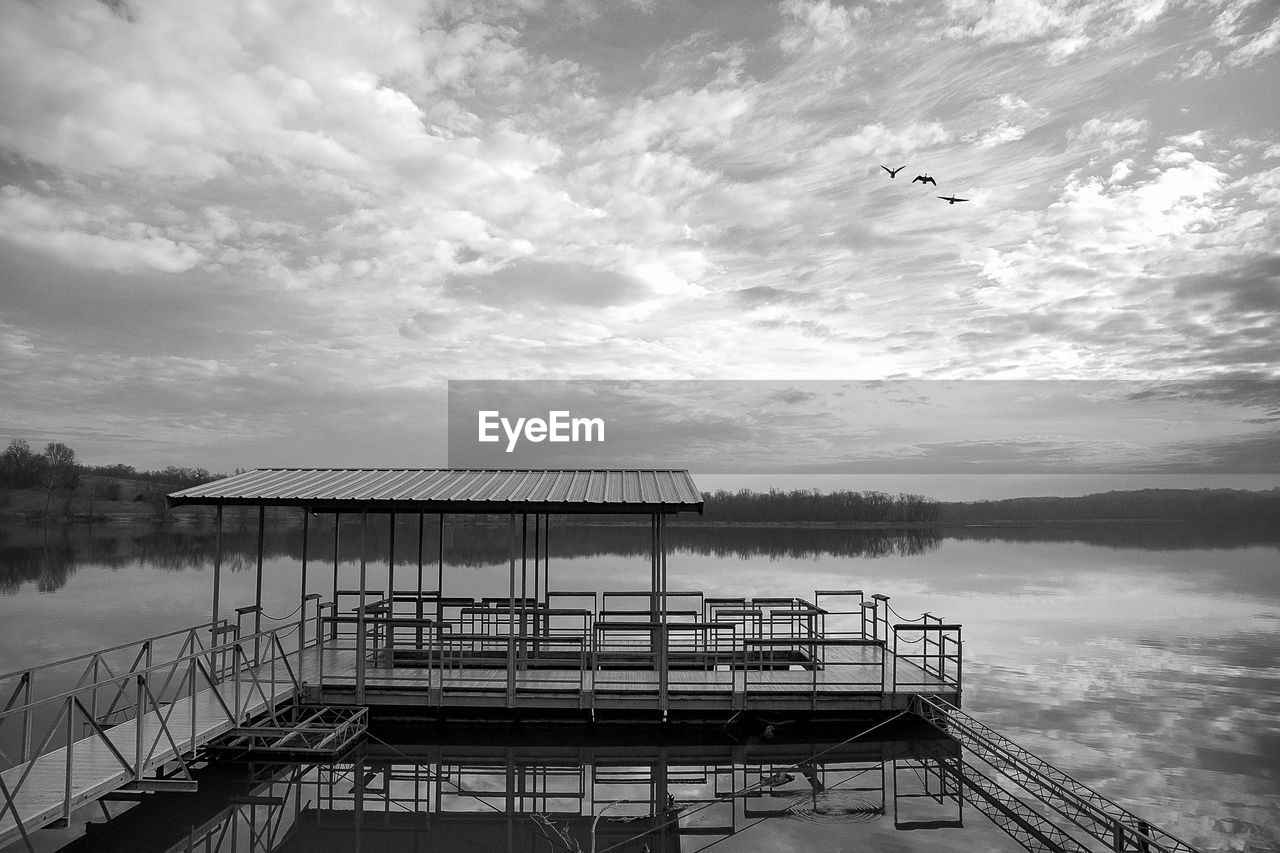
61	472
19	465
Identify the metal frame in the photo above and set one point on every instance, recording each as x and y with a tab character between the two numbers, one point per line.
1097	815
155	738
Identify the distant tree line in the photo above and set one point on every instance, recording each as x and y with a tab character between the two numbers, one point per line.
809	505
57	472
1216	505
173	475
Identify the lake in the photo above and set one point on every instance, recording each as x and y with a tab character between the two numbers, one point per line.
1144	660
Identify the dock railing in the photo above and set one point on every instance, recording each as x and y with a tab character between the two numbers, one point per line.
23	691
841	641
1103	819
845	615
851	664
927	653
153	711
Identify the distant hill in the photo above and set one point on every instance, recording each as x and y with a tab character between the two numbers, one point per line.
1193	505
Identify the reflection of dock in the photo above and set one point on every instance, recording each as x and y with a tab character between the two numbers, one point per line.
682	788
619	788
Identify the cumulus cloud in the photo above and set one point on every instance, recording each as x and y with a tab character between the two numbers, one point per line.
1108	270
1004	21
1110	137
106	239
880	139
819	25
998	135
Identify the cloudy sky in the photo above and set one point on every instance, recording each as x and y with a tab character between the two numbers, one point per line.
267	233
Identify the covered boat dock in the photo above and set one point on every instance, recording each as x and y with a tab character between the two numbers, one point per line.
630	653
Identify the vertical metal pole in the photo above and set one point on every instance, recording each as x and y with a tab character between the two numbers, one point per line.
653	567
654	632
387	628
391	566
257	598
537	562
524	570
662	586
139	714
217	579
333	627
364	533
662	563
510	799
302	600
511	604
546	558
440	578
94	696
420	547
71	737
191	698
27	678
418	606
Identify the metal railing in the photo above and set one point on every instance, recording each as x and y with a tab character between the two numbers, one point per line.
805	663
19	688
927	655
153	711
1097	815
725	645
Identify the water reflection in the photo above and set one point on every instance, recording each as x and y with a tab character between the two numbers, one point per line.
577	789
48	555
1145	536
1139	658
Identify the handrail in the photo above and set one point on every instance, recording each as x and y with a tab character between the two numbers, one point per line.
230	645
158	741
1092	811
202	626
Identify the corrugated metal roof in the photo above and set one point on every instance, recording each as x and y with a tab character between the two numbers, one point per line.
453	490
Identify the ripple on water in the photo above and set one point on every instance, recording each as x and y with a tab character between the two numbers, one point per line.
834	806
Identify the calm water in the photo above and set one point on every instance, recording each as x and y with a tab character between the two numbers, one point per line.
1144	661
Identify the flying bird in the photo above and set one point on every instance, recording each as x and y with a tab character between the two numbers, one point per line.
893	173
924	179
950	199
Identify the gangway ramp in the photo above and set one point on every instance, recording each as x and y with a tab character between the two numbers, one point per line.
175	708
1105	820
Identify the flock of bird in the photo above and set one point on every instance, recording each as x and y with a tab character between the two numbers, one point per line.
924	179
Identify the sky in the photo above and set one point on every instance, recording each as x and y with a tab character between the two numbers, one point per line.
244	234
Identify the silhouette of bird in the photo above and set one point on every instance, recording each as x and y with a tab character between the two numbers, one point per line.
893	173
950	199
924	179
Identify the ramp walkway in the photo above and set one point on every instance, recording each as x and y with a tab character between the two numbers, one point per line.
136	728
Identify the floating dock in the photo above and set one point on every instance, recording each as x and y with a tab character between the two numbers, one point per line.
142	718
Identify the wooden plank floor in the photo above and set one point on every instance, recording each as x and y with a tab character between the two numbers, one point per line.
97	771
